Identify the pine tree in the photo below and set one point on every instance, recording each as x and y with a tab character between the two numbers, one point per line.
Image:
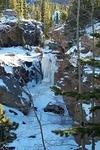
5	128
42	10
4	4
19	8
25	9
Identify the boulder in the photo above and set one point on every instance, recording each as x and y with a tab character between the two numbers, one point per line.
14	33
15	36
54	109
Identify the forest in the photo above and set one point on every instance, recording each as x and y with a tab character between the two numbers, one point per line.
49	74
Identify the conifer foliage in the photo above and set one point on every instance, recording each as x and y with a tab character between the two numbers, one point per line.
6	126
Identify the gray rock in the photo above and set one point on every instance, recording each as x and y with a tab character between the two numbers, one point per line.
54	109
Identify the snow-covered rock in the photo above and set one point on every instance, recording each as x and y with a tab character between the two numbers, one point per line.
96	28
14	32
18	66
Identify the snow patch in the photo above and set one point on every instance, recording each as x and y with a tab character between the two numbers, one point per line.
87	107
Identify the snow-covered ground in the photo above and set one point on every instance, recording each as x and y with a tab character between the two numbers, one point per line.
28	132
87	108
96	29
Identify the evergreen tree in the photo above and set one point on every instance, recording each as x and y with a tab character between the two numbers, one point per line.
5	128
25	9
42	10
4	4
19	8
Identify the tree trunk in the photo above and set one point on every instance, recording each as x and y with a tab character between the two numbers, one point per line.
42	10
79	70
93	73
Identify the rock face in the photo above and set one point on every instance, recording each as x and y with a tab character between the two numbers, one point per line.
15	33
12	92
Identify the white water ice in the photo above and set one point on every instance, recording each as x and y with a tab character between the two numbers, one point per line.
49	67
42	95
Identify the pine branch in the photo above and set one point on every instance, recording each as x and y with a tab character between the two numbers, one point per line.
76	95
93	109
98	44
97	35
97	76
85	130
91	62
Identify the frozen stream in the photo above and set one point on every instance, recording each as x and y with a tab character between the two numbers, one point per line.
28	133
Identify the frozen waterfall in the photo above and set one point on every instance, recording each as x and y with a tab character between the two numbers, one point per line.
49	68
